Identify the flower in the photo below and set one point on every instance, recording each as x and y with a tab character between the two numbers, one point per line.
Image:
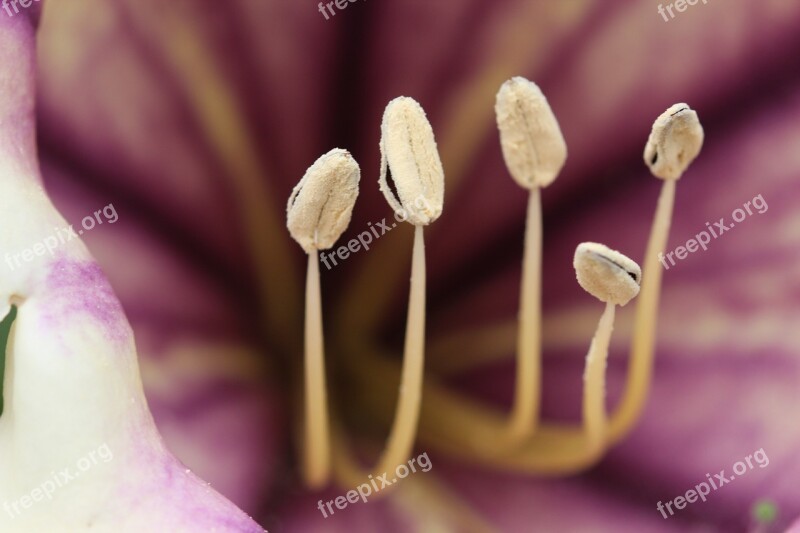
196	120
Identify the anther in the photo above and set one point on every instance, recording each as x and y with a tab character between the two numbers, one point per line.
533	146
606	274
320	206
675	141
409	154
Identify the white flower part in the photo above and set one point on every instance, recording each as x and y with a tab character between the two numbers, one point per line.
79	450
530	137
408	151
320	206
78	446
606	274
675	141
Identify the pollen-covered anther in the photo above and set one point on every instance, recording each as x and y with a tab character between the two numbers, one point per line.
409	154
530	137
321	204
606	274
675	141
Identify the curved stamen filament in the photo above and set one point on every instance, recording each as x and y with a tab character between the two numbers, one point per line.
525	411
404	430
640	369
594	378
465	429
316	465
407	412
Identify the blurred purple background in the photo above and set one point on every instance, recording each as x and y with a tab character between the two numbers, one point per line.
196	118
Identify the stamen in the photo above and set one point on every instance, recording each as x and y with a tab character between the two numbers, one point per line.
318	212
534	151
676	140
408	149
612	278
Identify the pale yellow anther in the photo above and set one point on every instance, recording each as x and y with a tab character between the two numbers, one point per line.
409	153
321	204
606	274
675	141
533	146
